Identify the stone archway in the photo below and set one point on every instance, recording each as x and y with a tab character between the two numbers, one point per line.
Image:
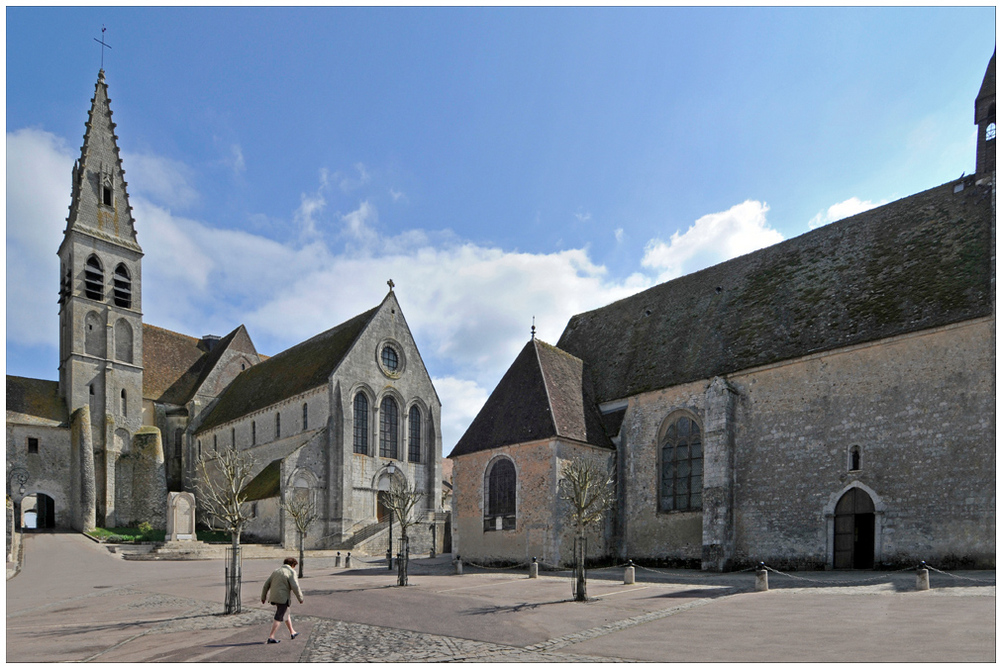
854	530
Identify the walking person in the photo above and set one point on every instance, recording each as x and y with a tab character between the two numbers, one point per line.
281	584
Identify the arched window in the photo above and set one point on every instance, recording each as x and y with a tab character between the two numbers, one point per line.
215	442
501	496
388	440
253	432
855	463
96	337
124	410
232	437
123	341
415	431
681	466
991	132
93	279
361	424
277	425
305	417
123	287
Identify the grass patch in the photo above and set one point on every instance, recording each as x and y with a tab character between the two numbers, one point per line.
150	535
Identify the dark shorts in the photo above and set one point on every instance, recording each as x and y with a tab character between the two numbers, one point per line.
279	614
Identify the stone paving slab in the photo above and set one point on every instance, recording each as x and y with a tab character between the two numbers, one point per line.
74	601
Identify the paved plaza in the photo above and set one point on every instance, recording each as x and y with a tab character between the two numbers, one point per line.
74	600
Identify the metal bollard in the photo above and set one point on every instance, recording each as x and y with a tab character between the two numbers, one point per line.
347	562
458	565
337	562
761	584
630	573
923	577
533	568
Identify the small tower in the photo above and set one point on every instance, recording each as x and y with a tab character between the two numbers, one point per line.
100	302
986	119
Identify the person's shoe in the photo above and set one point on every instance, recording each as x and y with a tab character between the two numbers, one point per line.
293	635
272	641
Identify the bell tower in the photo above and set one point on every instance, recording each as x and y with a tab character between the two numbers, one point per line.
100	301
986	119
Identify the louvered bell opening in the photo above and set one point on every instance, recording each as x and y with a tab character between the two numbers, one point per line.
93	284
123	293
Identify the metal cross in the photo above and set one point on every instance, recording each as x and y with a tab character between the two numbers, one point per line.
390	284
101	42
532	328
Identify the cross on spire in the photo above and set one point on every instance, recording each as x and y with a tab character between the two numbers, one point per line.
532	328
102	43
390	284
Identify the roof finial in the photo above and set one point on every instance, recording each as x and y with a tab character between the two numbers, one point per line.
101	42
390	284
532	328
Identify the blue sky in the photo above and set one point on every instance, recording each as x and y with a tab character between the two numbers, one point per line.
497	163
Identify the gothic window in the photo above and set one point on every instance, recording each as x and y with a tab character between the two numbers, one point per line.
361	424
123	287
253	432
93	279
681	466
277	425
199	448
32	445
305	417
501	496
178	442
215	442
388	443
232	436
855	463
107	191
123	341
991	132
124	403
95	337
415	434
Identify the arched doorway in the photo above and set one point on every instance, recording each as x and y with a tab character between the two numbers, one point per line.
854	530
39	511
382	511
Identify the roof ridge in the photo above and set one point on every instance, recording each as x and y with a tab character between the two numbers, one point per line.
545	384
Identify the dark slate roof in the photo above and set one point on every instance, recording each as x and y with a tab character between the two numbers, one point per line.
544	394
920	262
266	484
294	371
37	398
175	365
989	87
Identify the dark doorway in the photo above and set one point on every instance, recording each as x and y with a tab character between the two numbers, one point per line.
382	513
854	531
44	512
447	535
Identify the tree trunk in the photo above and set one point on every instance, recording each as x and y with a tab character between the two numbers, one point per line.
302	552
580	548
403	560
234	577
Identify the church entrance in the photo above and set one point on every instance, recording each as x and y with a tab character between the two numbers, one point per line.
382	512
854	531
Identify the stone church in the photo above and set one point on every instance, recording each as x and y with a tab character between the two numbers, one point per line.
135	405
827	402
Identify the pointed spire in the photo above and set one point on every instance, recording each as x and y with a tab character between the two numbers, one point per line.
532	328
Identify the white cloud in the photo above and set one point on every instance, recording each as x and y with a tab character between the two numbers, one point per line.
713	238
348	184
619	235
582	216
397	195
236	158
39	168
464	399
312	205
162	180
839	211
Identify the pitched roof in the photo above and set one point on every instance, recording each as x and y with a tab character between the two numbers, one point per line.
989	86
544	394
294	371
36	398
266	484
175	365
920	262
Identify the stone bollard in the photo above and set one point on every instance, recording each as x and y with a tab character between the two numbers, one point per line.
337	562
923	577
761	584
347	561
458	565
533	568
630	573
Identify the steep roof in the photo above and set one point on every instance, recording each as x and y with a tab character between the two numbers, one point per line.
294	371
175	365
37	399
919	262
989	86
544	394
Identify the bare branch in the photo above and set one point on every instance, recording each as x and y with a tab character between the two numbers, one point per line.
222	478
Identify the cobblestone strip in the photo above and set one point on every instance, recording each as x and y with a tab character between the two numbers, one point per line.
345	642
598	631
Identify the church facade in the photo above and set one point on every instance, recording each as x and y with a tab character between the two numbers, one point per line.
137	406
827	402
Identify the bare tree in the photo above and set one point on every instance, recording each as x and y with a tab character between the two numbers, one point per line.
590	491
402	500
302	511
222	479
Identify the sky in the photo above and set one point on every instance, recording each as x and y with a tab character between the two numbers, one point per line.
498	164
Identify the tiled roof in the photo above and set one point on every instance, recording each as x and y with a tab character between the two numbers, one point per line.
989	87
542	395
291	372
920	262
36	398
